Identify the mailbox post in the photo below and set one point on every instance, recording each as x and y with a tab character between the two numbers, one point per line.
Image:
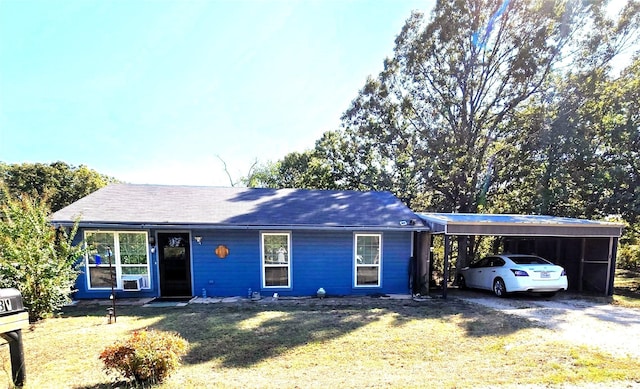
13	319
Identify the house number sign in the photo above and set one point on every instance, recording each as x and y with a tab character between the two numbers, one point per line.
5	305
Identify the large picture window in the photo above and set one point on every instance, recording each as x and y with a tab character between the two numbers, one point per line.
367	259
127	252
276	259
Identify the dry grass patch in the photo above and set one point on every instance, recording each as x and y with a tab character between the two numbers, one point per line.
336	343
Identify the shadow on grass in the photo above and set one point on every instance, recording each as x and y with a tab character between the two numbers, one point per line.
626	288
244	334
241	336
110	385
630	292
628	274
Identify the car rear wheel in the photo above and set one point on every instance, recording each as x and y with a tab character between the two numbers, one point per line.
499	289
462	284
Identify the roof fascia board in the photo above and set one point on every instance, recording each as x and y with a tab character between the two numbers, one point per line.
146	226
591	224
532	230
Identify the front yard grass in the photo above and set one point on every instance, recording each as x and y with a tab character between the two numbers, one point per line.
626	288
342	343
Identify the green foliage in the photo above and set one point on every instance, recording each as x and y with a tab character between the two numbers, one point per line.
36	258
58	182
483	109
147	356
430	122
573	150
473	114
296	170
629	257
622	143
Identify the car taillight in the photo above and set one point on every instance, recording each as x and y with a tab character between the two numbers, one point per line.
519	273
564	273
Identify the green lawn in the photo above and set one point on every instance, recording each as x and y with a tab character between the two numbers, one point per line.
331	343
626	288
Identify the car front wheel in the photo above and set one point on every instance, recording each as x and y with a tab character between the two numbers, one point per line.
499	289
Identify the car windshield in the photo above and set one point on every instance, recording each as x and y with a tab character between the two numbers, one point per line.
529	260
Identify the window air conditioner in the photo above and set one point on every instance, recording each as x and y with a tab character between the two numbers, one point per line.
132	284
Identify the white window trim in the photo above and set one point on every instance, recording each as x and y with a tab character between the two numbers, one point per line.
355	260
116	260
264	265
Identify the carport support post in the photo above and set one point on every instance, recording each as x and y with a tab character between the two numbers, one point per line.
583	248
18	374
447	253
610	268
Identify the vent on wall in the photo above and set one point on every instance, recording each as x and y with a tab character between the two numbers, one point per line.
131	284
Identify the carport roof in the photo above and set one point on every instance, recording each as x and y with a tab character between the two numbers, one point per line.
517	225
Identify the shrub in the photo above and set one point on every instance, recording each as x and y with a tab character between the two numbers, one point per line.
629	257
146	356
36	258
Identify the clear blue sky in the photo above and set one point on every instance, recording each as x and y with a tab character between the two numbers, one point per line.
154	91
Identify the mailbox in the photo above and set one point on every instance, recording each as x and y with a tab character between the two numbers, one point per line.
13	319
10	301
13	316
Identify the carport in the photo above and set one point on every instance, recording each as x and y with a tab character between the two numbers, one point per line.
585	248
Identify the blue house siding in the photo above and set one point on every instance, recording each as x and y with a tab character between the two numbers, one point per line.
319	258
326	259
322	259
233	275
395	262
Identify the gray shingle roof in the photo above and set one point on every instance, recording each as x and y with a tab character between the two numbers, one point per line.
214	206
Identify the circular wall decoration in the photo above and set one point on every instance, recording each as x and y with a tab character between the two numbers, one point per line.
222	251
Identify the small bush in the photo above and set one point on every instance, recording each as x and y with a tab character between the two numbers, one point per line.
629	257
36	258
146	356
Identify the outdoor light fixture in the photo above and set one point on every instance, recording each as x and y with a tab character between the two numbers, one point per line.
198	239
152	243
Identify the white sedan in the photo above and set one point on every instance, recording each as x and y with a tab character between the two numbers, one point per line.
506	273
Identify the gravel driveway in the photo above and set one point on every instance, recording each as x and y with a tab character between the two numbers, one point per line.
583	321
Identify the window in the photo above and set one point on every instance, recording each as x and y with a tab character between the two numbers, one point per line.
367	259
484	262
127	252
276	260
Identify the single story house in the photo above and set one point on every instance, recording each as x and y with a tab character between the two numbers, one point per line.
169	241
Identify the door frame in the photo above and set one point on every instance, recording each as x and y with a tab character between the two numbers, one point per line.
158	259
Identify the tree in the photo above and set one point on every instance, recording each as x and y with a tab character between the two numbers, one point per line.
570	150
435	113
295	170
36	258
439	123
60	183
623	144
